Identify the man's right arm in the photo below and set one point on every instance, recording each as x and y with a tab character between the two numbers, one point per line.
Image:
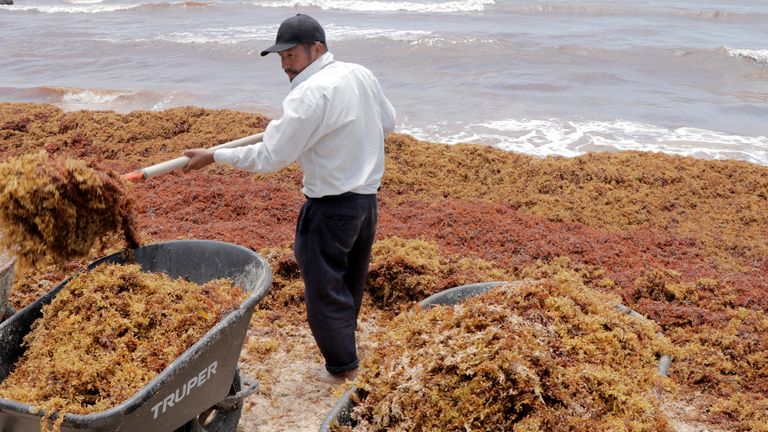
284	140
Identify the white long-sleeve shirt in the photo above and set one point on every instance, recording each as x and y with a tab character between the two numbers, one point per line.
334	121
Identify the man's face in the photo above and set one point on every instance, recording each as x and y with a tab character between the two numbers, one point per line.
296	59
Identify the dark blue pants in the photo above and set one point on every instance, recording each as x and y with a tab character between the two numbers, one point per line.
333	243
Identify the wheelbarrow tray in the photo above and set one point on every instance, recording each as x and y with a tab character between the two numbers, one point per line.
195	381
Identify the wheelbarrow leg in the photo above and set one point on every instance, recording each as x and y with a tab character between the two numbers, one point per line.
225	415
7	265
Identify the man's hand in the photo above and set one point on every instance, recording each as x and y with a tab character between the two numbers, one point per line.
198	158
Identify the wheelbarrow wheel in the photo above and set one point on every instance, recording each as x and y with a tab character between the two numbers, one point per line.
218	418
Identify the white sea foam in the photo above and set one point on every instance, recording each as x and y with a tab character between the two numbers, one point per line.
123	101
337	32
384	6
234	35
756	55
91	98
571	138
616	8
432	41
77	8
228	35
97	6
162	104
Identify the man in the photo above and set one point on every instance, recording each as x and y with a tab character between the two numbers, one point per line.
334	121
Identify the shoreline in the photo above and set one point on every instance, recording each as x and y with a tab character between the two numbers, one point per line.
535	137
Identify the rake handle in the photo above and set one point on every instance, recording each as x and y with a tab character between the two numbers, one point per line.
182	161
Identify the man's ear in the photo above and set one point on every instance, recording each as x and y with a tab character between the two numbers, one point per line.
318	48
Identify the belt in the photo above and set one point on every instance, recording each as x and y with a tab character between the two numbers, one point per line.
340	197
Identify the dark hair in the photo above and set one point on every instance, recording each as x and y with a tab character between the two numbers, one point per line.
308	45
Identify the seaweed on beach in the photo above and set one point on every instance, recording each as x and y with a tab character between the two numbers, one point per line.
549	355
285	300
140	138
719	203
723	346
682	240
107	333
403	271
57	209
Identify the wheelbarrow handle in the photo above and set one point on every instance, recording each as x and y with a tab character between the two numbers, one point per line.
182	161
250	386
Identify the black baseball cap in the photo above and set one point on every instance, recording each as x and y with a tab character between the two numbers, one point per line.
296	30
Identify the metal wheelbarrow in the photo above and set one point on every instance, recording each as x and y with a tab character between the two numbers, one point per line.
202	389
341	413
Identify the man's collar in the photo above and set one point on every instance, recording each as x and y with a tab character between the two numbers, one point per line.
322	61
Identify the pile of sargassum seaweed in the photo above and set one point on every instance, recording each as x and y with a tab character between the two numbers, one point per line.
526	356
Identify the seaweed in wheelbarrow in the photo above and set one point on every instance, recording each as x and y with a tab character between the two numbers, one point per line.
108	333
526	356
183	378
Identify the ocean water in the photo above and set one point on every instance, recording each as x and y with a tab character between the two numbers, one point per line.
543	77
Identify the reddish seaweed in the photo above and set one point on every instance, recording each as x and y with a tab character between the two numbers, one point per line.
681	240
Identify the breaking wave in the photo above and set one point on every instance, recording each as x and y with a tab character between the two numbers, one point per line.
234	35
384	6
74	99
554	137
98	6
626	9
756	55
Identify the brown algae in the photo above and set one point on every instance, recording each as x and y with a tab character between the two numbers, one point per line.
56	209
539	355
700	224
108	332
